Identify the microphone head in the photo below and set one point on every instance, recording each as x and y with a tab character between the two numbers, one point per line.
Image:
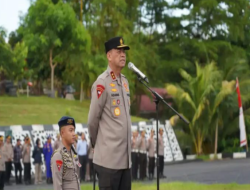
130	65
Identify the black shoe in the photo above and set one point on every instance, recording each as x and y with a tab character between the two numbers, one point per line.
49	181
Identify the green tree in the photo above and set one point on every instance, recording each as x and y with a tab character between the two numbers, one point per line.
12	59
53	33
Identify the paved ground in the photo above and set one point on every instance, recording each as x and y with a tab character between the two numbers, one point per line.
226	171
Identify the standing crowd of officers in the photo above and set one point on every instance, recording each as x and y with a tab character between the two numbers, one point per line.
20	156
143	147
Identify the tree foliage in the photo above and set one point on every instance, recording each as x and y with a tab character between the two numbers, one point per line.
53	31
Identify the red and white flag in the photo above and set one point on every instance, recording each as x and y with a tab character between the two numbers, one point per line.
243	140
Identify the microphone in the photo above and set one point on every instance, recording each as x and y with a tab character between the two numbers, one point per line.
132	67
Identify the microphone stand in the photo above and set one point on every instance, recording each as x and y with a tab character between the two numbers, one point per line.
158	98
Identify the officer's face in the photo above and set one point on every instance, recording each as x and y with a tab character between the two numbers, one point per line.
49	140
68	133
134	134
161	132
1	142
152	133
143	134
8	140
117	57
83	136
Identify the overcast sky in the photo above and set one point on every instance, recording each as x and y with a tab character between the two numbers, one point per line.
10	10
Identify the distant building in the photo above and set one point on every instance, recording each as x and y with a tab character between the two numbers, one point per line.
147	104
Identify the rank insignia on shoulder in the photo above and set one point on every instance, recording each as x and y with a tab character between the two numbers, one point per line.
112	75
99	90
59	164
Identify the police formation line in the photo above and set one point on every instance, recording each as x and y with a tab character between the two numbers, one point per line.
20	155
113	151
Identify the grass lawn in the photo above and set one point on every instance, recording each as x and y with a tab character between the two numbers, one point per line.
181	186
42	110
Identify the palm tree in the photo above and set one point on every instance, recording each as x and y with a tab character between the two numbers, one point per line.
198	98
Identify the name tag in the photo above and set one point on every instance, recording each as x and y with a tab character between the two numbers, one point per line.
115	94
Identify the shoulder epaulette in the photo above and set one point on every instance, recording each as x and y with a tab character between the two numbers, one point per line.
54	153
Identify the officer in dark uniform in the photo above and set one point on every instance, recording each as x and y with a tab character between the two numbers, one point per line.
109	117
64	162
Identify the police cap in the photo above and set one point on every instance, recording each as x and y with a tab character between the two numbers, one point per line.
65	120
115	43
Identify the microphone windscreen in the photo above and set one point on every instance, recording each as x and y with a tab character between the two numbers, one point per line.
130	65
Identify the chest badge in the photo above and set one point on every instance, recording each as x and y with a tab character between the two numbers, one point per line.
117	111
